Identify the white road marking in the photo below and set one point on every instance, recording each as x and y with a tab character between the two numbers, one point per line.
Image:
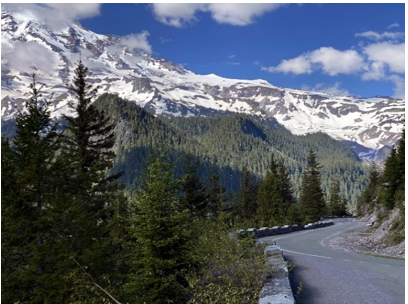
308	254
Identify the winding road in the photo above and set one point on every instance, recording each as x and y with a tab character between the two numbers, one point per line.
331	276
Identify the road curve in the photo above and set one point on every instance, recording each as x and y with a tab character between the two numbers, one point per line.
331	276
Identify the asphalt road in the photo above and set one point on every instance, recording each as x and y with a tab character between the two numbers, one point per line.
331	276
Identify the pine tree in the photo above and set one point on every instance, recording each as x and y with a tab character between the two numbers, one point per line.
336	202
390	180
27	184
370	194
163	241
400	195
271	205
286	189
195	198
91	209
312	201
245	208
217	199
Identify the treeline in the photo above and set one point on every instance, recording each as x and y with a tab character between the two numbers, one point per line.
231	143
386	190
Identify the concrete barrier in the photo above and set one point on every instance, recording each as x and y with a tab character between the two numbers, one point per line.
276	289
266	231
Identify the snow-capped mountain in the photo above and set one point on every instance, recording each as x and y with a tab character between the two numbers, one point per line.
163	87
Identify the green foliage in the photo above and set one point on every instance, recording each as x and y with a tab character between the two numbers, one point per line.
366	199
163	239
62	214
337	205
312	200
245	201
195	196
27	170
234	270
230	142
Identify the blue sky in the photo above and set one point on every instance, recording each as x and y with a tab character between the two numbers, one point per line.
351	49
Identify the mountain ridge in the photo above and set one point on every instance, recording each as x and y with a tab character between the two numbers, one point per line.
165	88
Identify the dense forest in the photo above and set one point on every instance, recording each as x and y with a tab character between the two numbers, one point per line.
115	205
230	142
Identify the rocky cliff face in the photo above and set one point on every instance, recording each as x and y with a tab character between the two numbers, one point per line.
162	87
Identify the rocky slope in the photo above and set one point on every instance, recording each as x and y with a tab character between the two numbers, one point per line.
369	125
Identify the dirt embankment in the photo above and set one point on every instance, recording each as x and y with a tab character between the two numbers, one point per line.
369	239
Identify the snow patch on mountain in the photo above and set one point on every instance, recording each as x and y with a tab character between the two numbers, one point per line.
165	88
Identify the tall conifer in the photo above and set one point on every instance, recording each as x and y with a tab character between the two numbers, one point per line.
162	248
312	200
27	184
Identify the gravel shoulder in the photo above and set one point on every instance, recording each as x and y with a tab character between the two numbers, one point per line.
363	240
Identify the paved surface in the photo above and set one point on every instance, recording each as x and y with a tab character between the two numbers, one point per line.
332	276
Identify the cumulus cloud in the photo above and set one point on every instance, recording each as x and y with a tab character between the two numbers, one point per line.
176	15
298	65
136	41
55	15
239	14
335	62
392	55
334	89
385	35
399	85
329	60
40	58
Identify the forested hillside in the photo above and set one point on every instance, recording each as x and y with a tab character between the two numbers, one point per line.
230	142
384	198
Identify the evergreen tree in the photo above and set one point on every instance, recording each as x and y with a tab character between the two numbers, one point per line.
245	208
370	194
27	170
390	180
336	202
400	195
91	209
195	198
271	206
163	241
312	201
217	199
286	188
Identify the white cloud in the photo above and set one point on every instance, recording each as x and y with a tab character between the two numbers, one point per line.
330	60
240	14
56	15
335	62
396	24
399	86
136	41
377	36
40	58
334	89
298	65
231	56
176	15
375	71
393	55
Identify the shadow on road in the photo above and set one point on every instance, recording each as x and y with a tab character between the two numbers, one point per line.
302	291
